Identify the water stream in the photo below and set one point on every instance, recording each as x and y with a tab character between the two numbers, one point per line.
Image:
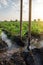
41	44
14	45
4	38
10	44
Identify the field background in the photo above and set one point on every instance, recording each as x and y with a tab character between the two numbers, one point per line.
13	27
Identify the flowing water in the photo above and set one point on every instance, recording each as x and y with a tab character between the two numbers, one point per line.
41	44
10	44
4	38
14	45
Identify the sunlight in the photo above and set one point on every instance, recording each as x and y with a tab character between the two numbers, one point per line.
37	10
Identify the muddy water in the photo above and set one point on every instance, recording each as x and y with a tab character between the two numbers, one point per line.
10	44
12	47
4	38
41	43
36	44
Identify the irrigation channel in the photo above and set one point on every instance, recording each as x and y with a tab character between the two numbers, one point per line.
12	55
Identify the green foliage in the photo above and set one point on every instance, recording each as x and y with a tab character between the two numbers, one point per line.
0	31
14	27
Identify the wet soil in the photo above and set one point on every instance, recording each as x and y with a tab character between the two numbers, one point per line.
17	57
24	58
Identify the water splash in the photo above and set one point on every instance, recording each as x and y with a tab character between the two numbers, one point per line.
9	42
4	38
41	44
14	45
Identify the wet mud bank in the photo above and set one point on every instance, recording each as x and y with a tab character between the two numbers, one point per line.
3	46
14	56
24	58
